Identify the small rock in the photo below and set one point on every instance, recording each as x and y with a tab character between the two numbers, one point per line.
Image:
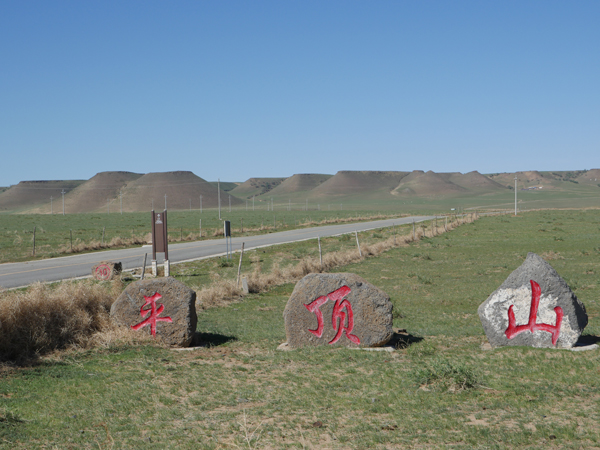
106	270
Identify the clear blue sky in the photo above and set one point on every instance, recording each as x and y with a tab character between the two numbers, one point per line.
240	89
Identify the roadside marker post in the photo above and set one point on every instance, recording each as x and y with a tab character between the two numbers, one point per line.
227	234
160	240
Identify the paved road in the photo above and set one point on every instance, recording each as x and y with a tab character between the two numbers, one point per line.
22	274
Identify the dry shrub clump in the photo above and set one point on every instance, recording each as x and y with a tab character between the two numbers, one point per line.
44	318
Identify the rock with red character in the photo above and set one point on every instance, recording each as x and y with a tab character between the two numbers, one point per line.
106	270
338	309
534	307
162	307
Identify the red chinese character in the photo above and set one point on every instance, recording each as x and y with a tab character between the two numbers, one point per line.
338	317
154	313
532	326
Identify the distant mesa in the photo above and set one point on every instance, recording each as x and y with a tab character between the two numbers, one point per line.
105	190
256	186
97	191
299	183
28	194
348	182
182	189
428	184
475	181
552	180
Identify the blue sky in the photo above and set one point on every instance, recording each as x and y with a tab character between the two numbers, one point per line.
240	89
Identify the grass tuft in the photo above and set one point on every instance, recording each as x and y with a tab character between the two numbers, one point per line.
441	374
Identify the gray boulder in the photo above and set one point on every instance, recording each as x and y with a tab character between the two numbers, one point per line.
163	307
338	309
534	307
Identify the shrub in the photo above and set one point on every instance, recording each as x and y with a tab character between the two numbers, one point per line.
44	318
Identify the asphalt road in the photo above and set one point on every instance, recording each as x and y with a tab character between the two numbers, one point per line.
23	274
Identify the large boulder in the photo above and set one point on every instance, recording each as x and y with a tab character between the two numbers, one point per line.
534	307
163	307
340	309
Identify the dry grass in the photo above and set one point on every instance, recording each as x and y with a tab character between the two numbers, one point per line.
116	242
222	292
551	256
70	315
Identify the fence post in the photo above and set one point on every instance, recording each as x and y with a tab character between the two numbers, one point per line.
320	252
358	243
144	266
237	283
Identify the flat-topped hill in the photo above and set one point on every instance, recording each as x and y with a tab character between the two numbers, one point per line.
181	188
95	193
427	184
28	194
256	187
554	180
300	183
474	181
348	182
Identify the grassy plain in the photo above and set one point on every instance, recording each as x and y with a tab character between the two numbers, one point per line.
440	389
53	232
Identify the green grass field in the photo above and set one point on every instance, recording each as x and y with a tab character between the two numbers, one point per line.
53	232
439	389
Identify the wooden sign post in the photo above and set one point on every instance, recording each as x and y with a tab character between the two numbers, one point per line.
160	241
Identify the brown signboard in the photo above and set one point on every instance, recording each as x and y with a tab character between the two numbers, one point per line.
160	242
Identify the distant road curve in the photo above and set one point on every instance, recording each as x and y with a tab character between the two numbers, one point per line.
14	275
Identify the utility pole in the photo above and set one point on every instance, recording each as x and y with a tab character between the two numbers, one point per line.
165	202
152	204
63	195
50	205
219	195
515	195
